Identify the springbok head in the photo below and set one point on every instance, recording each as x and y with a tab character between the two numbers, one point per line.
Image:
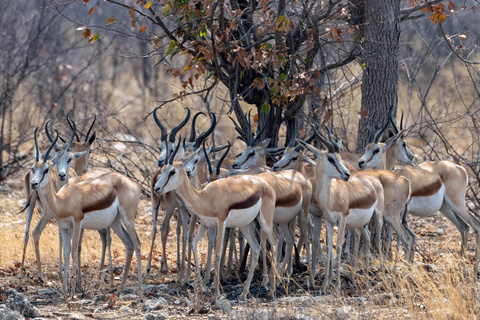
328	161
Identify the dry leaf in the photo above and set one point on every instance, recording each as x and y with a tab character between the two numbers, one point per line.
92	10
142	29
110	21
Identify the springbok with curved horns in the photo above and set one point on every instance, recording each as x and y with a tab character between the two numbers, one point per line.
435	186
89	204
344	200
59	178
171	202
230	202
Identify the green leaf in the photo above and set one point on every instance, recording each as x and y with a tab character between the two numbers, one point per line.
266	46
171	46
93	38
265	108
282	77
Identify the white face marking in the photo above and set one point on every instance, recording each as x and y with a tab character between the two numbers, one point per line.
371	158
288	161
427	206
40	175
247	158
404	154
168	180
334	168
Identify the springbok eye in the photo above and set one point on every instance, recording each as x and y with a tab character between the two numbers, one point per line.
404	145
376	151
331	160
294	159
45	171
171	173
251	154
70	159
196	161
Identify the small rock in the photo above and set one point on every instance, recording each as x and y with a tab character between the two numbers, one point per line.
345	312
440	232
126	310
16	301
177	302
154	304
47	291
224	305
301	317
360	300
76	316
129	296
151	316
99	298
7	314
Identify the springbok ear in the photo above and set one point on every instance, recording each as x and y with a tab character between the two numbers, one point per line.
392	140
263	144
317	152
92	138
78	155
309	161
339	144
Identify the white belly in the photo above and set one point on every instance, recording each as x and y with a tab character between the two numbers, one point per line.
241	217
285	214
97	220
427	206
356	217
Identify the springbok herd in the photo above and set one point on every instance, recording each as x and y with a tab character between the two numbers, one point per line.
262	203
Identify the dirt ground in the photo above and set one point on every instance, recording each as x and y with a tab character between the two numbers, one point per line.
438	285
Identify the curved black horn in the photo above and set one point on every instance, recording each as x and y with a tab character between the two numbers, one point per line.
249	140
330	147
37	151
70	140
209	164
335	145
172	157
202	136
57	147
401	122
193	134
379	134
372	130
219	164
292	141
163	137
51	147
71	126
177	128
391	121
88	132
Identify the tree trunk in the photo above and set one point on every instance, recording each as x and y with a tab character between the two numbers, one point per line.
379	36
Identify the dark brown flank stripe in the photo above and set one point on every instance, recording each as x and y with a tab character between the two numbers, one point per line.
365	202
428	190
248	203
101	204
290	200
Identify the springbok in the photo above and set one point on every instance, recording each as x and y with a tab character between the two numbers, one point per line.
171	202
344	200
89	204
435	186
230	202
62	173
